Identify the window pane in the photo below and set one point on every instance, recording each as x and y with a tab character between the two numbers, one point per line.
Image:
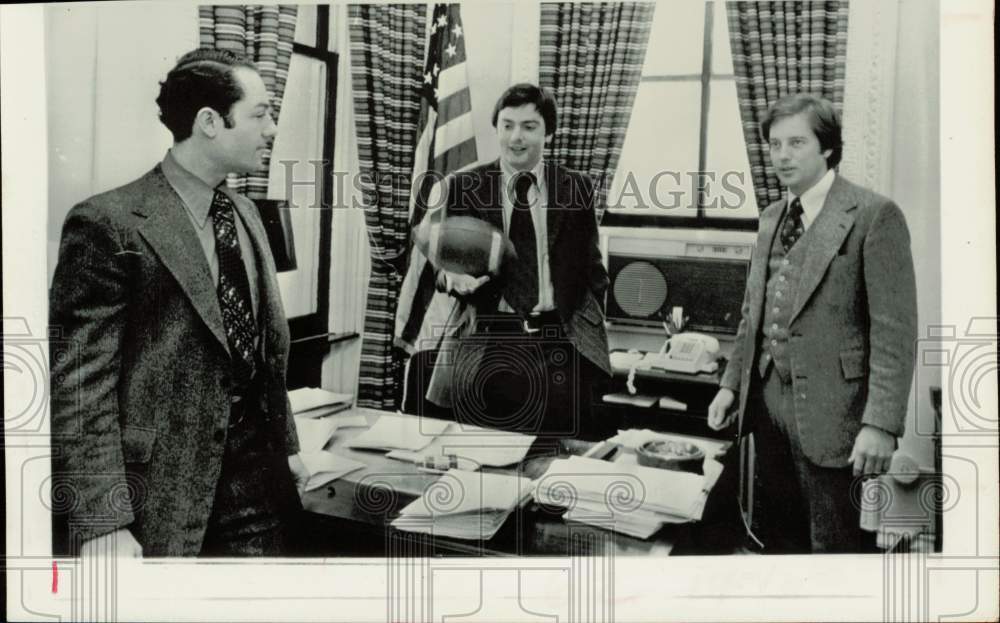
676	39
660	153
726	156
722	51
305	25
301	128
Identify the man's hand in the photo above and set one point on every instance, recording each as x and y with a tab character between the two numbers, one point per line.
461	285
872	451
120	544
717	411
299	471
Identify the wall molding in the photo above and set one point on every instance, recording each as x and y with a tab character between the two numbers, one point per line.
869	92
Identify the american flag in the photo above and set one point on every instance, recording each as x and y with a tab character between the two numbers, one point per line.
447	144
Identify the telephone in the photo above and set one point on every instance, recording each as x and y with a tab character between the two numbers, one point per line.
689	353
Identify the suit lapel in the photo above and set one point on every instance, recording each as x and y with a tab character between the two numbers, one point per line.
169	231
270	295
829	231
559	188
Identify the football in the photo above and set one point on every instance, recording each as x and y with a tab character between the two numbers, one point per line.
465	245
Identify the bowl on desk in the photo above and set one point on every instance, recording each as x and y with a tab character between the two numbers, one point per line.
667	454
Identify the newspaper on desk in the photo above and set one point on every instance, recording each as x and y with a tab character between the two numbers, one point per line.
465	505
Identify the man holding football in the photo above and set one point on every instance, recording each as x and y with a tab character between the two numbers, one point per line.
537	347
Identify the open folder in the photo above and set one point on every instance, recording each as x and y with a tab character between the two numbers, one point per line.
465	505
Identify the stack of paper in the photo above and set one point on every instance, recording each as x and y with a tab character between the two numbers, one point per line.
399	432
471	447
326	466
623	497
313	402
465	505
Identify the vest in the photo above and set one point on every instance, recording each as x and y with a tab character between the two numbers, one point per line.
783	275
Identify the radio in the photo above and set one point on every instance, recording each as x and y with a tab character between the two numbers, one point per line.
652	271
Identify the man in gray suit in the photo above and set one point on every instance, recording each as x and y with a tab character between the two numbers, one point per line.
170	423
823	359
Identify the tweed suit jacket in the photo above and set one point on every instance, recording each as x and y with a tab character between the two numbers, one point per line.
140	406
579	279
853	326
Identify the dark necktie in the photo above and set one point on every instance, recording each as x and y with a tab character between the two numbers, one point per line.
521	289
793	228
234	290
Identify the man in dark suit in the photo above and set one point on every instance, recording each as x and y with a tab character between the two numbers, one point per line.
170	423
823	359
538	345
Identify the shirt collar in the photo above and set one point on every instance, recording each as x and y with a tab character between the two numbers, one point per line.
509	172
195	193
814	198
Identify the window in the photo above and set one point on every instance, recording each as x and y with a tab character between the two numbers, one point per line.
684	160
303	152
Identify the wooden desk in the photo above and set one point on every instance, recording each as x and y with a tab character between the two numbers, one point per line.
351	516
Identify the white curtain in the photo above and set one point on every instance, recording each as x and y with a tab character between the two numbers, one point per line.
349	257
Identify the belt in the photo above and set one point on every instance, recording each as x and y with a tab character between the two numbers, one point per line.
514	324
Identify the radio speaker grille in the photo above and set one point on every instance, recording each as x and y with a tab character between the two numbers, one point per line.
644	290
640	289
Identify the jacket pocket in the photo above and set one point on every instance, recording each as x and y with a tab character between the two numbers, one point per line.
137	444
853	364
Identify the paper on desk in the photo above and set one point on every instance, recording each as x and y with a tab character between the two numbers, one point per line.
621	488
314	433
326	466
473	446
399	432
459	492
308	398
465	505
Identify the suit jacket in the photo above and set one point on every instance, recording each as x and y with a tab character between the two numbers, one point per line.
579	279
141	403
853	326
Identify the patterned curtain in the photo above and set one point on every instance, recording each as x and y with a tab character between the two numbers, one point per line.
387	57
591	56
264	34
781	48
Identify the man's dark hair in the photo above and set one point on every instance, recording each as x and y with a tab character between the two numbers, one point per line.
525	93
202	77
822	117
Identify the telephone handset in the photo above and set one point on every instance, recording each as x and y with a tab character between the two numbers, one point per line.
689	353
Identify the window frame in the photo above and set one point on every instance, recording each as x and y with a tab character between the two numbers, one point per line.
700	220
